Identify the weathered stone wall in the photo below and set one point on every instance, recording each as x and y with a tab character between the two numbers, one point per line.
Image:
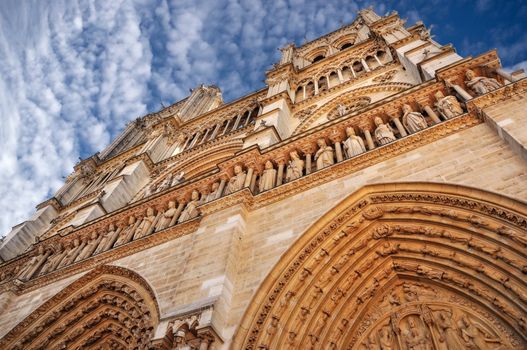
231	253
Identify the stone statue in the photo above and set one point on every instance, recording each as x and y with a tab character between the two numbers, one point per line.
72	252
447	333
480	85
147	225
324	155
53	261
448	106
294	168
341	110
474	335
150	190
108	240
386	338
354	144
383	132
415	337
190	211
166	183
128	232
413	121
237	181
33	264
215	192
90	246
166	217
268	178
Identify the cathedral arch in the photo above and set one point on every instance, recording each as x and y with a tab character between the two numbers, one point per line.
400	266
110	307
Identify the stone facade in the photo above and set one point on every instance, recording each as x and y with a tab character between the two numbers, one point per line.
372	196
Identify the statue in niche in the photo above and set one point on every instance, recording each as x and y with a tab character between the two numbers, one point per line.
447	333
72	252
295	167
341	110
179	178
128	232
166	183
147	225
108	240
480	85
416	338
475	336
166	217
413	121
53	261
386	338
191	209
383	132
150	190
33	264
90	246
237	181
448	106
324	155
268	178
354	144
214	192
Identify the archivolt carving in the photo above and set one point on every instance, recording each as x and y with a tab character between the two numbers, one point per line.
400	266
110	307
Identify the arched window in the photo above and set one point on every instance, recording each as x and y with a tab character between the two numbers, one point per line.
254	114
334	79
299	94
358	67
318	58
371	62
346	73
322	84
346	45
310	89
243	120
382	56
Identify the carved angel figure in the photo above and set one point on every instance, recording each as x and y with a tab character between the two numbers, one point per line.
354	144
237	181
268	179
190	211
480	85
324	155
294	168
413	121
448	106
383	132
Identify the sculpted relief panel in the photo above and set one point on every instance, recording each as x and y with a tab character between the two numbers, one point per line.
400	267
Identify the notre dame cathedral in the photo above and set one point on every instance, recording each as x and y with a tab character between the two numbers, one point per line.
371	196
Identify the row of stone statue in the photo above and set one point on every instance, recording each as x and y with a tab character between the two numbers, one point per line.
47	260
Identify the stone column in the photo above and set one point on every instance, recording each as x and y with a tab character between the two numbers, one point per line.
505	75
378	60
336	137
399	126
304	91
308	151
369	141
223	181
226	127
216	130
365	65
252	186
203	140
195	139
465	96
186	143
316	86
237	122
247	120
430	112
341	78
327	79
249	176
179	209
353	71
280	173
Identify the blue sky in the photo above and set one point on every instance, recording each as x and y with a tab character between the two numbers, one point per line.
73	73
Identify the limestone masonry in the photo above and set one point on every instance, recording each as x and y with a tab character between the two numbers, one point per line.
371	196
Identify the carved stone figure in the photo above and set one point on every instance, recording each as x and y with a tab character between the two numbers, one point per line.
214	193
416	337
268	179
474	336
150	190
167	216
383	132
236	182
179	178
108	240
324	155
190	211
386	338
447	333
480	85
354	144
128	232
147	224
166	183
413	121
90	247
72	253
33	264
341	110
448	106
295	167
54	260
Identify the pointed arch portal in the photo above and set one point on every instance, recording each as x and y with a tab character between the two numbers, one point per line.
109	308
400	266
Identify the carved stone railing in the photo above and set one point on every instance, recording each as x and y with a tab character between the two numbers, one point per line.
176	211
